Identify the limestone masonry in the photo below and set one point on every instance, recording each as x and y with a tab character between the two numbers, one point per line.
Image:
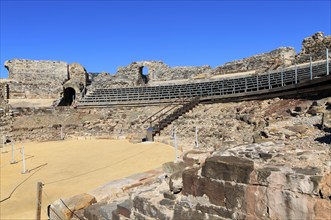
263	159
59	80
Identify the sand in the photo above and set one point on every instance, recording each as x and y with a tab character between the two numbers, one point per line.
30	103
100	161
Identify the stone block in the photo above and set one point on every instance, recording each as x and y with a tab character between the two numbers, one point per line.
191	185
172	167
75	203
106	211
176	182
168	203
193	157
124	208
198	186
151	209
169	195
322	209
228	168
93	211
182	213
255	201
325	187
234	195
284	204
215	210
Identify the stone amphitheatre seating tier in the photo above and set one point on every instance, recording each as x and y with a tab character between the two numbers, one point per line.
209	88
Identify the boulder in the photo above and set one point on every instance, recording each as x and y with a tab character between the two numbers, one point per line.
325	187
195	157
64	208
93	211
228	168
176	182
172	167
124	208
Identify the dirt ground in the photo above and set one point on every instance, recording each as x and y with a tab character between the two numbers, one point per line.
69	168
29	103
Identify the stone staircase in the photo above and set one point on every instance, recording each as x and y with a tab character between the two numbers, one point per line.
163	119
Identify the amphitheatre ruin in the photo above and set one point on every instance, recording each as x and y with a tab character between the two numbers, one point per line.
249	139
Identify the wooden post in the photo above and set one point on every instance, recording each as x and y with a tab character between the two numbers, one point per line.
39	197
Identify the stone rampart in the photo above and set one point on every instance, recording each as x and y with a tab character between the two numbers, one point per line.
3	94
281	57
36	79
37	70
314	46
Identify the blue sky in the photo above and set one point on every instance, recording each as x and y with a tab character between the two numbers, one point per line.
103	35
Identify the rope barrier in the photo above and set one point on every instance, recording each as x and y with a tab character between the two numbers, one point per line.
44	192
37	169
70	210
101	168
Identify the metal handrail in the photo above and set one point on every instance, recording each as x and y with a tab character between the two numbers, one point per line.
143	122
167	111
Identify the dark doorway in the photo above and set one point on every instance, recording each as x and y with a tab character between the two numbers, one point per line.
68	96
144	74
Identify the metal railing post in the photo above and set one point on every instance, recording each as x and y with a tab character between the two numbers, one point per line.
257	82
269	83
245	84
24	171
282	77
311	68
234	85
296	73
327	61
13	161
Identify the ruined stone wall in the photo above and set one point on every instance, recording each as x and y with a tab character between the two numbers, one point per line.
36	79
3	94
283	56
131	75
78	78
314	46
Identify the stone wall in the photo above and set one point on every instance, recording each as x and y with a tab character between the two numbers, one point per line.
3	94
283	56
314	46
36	79
132	75
44	79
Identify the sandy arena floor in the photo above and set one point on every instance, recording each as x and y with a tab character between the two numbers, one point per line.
102	160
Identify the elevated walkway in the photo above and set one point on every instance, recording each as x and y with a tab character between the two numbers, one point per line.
302	78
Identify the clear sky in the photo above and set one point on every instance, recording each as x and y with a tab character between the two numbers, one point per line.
103	35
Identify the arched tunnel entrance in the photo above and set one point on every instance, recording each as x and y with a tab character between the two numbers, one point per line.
69	96
143	71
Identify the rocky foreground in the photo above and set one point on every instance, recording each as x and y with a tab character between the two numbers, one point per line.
256	160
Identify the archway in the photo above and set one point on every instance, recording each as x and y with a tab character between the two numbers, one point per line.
143	71
68	96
